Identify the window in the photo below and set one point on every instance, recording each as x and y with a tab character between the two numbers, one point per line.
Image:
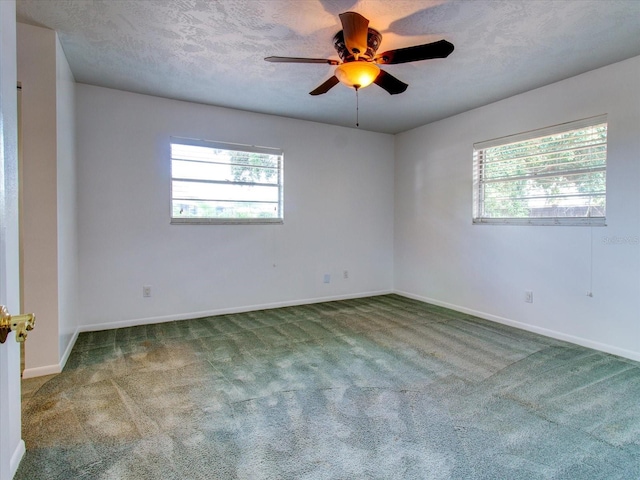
552	176
215	182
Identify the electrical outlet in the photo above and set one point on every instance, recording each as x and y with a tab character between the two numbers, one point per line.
327	278
528	296
345	274
146	291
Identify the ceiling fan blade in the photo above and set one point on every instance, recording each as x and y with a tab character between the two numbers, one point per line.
326	86
355	28
439	49
301	60
390	83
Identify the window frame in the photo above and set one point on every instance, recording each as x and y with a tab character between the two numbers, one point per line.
232	147
478	184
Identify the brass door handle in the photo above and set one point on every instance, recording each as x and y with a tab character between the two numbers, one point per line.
20	324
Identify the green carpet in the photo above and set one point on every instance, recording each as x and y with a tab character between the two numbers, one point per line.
374	388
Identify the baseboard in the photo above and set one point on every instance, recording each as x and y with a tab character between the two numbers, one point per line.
583	342
224	311
56	368
67	352
42	371
16	458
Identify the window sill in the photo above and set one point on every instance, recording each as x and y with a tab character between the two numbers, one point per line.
563	221
226	221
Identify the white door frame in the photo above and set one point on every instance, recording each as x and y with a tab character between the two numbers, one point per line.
12	446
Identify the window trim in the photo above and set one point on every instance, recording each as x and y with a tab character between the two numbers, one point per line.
478	191
231	147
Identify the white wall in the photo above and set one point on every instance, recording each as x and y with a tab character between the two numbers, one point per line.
66	204
485	269
37	74
49	203
338	204
12	447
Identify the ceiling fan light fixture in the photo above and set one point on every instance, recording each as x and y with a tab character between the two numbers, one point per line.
357	74
357	44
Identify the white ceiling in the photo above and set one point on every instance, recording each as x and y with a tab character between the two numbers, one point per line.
212	51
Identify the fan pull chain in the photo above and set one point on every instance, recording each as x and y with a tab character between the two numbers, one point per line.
357	107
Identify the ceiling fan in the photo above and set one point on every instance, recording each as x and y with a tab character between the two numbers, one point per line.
357	44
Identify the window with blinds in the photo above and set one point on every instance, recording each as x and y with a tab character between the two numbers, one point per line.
551	176
214	182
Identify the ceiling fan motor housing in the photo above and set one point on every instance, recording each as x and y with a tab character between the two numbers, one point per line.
374	38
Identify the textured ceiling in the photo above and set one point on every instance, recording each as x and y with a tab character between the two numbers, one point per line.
212	51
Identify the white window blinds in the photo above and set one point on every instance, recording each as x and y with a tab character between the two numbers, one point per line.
555	175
